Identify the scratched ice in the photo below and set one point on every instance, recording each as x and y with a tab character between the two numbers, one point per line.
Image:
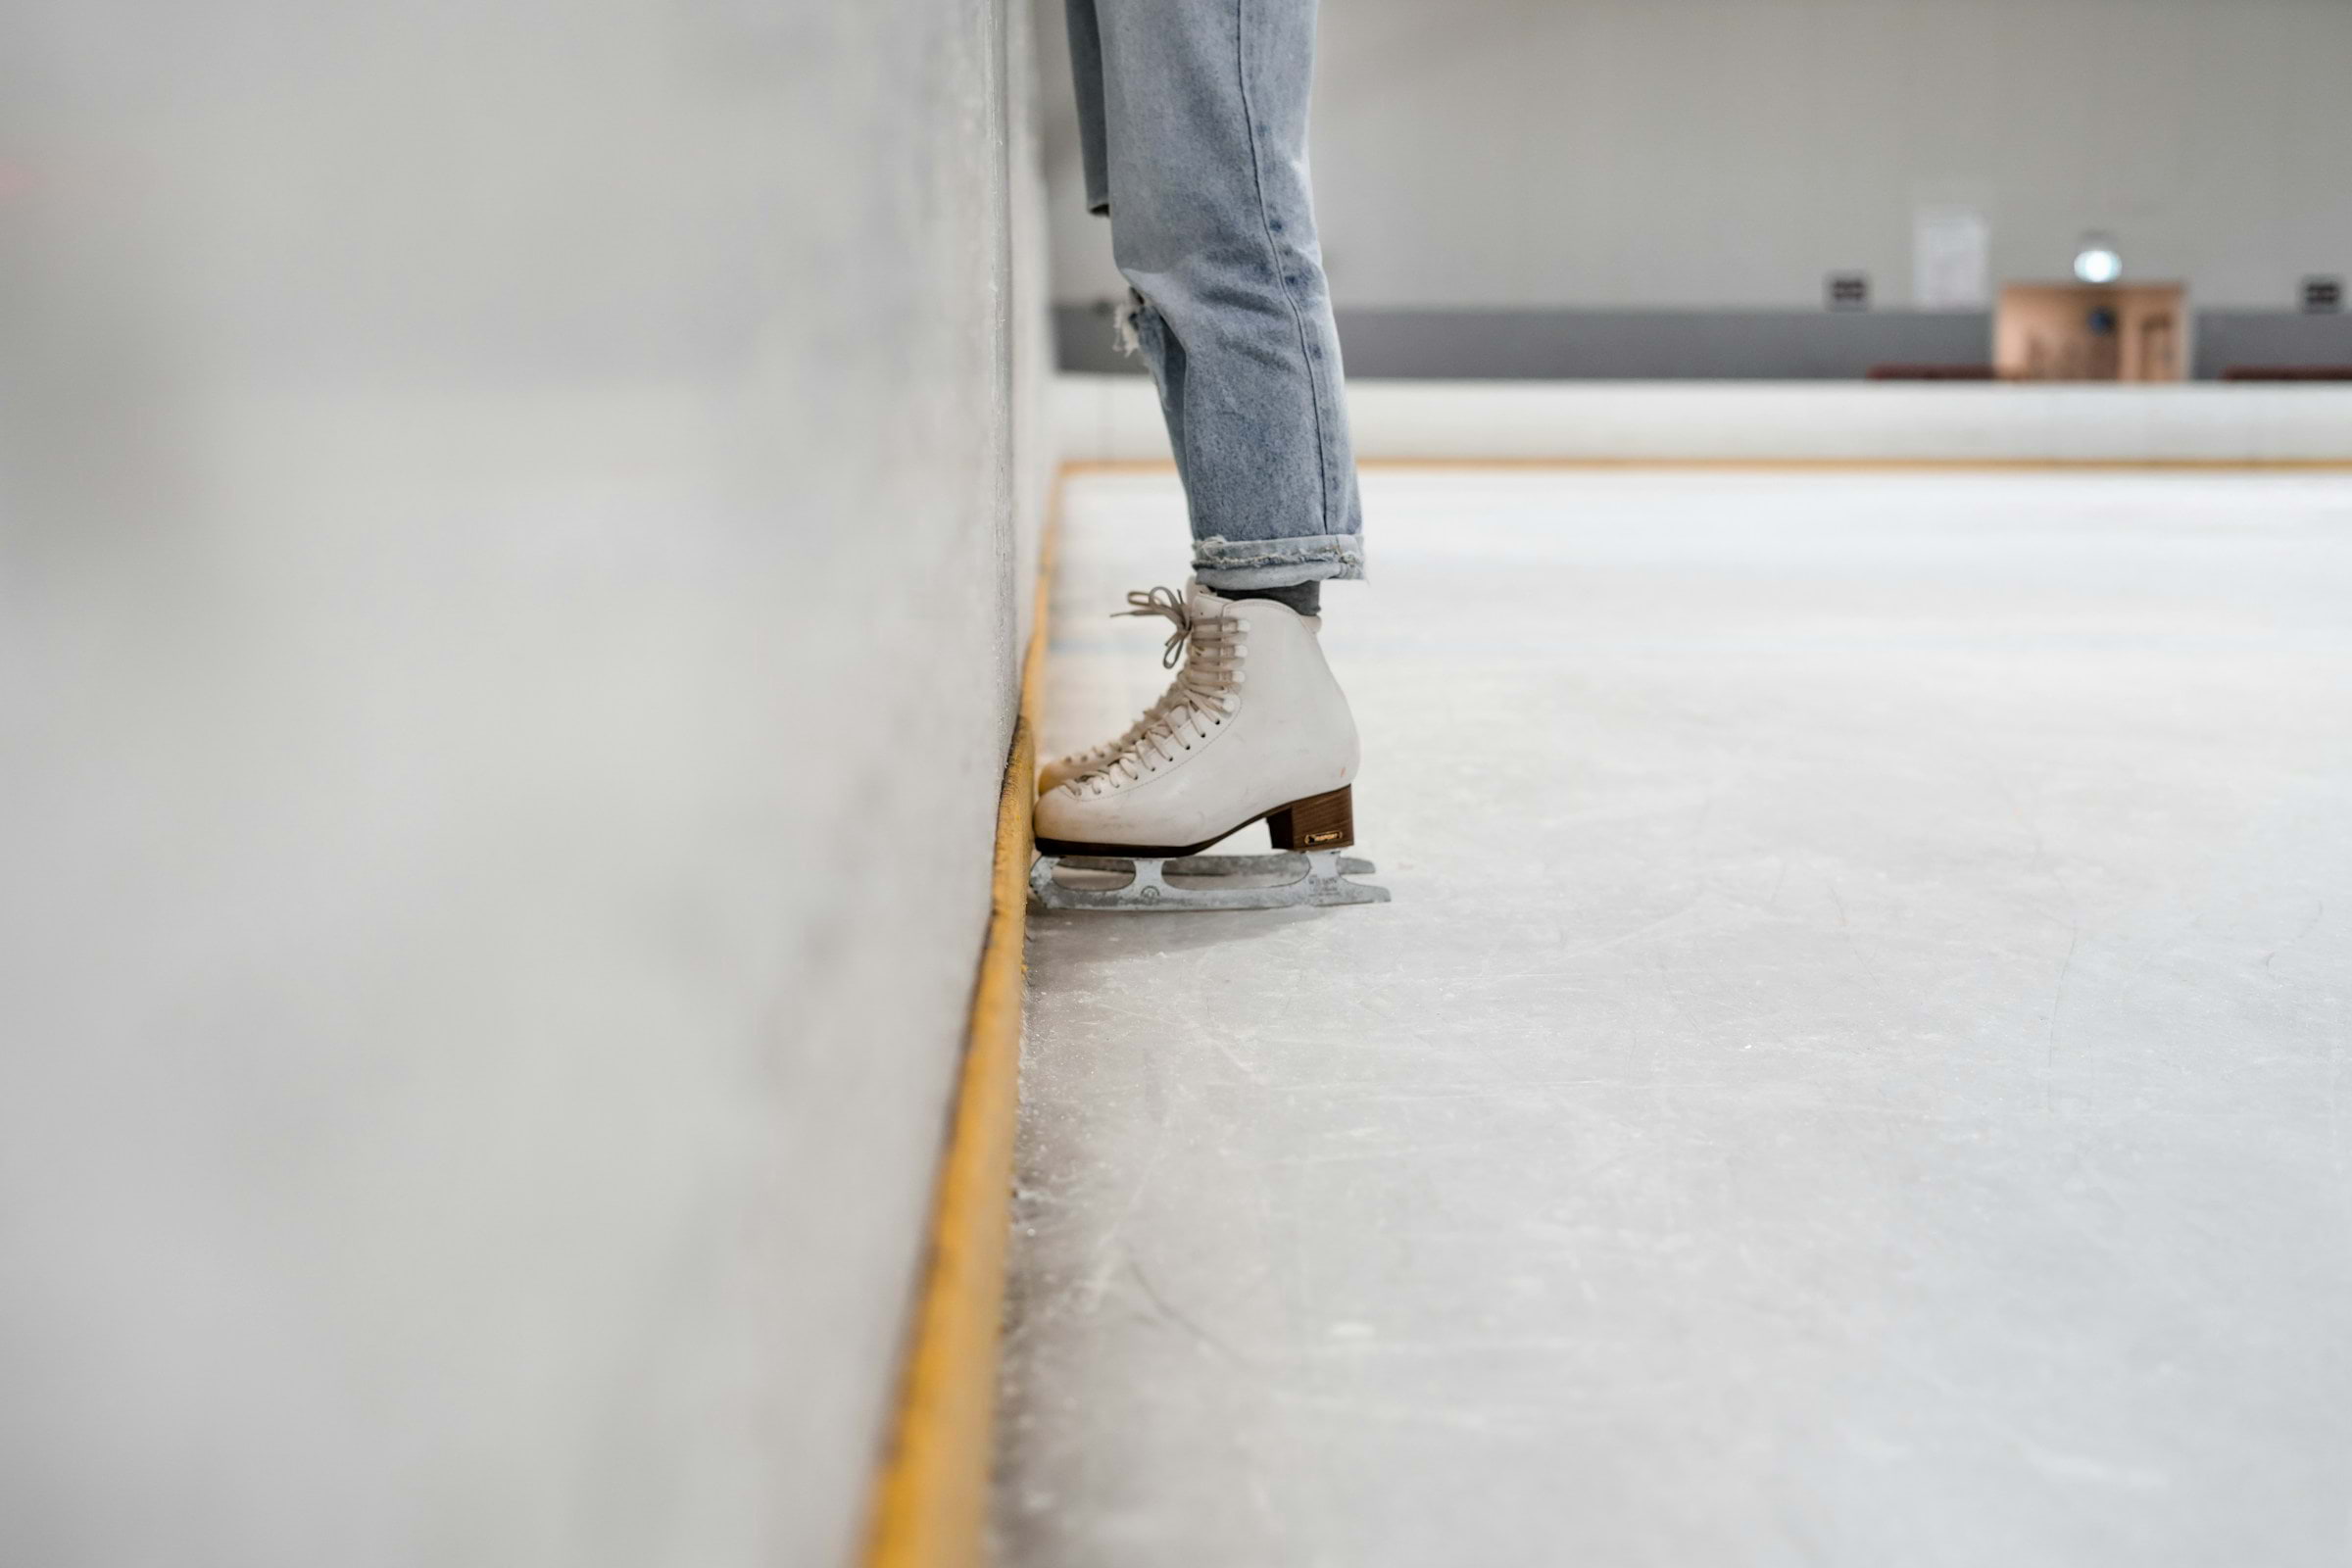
1855	1073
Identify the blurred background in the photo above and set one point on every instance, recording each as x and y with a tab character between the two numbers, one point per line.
1799	189
517	525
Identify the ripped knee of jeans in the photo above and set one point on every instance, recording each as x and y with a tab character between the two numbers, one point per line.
1126	325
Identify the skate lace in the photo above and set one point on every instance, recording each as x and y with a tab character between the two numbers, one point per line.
1201	699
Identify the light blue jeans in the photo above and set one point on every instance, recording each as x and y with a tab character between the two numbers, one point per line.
1193	118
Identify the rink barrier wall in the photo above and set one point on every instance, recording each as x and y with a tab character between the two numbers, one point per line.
1110	418
930	1506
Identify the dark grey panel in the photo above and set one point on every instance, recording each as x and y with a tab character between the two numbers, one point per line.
1709	345
1646	345
1608	345
2269	340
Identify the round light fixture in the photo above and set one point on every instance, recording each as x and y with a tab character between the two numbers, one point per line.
2098	261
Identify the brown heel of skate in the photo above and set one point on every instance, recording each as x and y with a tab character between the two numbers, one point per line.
1319	822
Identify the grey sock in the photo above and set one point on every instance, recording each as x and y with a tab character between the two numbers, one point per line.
1307	598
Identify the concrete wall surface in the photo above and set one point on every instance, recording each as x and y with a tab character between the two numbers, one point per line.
512	524
1690	154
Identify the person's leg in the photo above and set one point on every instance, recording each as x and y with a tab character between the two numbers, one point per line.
1193	116
1195	119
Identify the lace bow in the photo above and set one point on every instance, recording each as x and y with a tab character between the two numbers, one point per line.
1169	603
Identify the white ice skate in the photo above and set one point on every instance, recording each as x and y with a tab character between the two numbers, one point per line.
1254	730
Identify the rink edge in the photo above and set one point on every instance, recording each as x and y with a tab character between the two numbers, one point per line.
1737	464
930	1507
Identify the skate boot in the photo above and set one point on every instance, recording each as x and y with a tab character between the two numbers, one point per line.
1252	729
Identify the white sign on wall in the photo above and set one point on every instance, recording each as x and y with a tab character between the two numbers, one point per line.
1951	260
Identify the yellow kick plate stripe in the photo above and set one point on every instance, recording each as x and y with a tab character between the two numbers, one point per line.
930	1507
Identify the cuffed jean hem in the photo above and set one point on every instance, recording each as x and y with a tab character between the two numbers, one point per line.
1278	563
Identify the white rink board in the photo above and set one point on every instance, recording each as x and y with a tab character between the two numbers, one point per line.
1116	419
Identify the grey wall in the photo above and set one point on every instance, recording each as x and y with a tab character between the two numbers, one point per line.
1606	345
512	521
1685	155
1711	345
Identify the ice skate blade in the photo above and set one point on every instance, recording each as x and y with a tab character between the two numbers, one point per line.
1314	879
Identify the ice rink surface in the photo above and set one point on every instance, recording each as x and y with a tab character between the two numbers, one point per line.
1855	1072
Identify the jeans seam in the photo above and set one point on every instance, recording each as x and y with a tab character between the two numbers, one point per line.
1276	267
